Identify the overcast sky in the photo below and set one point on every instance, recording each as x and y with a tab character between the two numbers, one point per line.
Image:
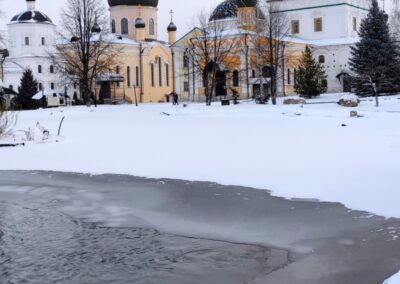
184	12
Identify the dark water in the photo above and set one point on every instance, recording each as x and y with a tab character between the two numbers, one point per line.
39	244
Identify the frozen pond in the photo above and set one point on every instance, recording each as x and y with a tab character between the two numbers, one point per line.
74	228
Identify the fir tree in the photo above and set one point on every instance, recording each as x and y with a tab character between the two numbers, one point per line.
310	77
27	89
375	58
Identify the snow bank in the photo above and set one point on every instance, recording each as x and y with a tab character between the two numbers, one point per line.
393	280
297	152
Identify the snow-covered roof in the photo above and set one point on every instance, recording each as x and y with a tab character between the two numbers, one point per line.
324	42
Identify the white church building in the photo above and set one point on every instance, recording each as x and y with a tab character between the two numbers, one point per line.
30	39
330	27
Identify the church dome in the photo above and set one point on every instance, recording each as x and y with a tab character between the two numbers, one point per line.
229	9
31	17
140	24
172	27
149	3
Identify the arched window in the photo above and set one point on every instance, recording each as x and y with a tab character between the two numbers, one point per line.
113	26
151	27
167	74
152	74
51	69
186	61
128	76
52	86
124	26
321	59
235	78
39	69
267	73
137	76
160	71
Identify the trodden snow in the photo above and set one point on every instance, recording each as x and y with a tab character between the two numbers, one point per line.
313	151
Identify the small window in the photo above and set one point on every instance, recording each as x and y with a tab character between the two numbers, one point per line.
52	86
40	87
11	87
235	78
289	74
318	25
151	27
39	69
43	41
253	73
354	24
124	26
51	69
26	40
321	59
295	27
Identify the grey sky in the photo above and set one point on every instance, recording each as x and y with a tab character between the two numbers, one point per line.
184	11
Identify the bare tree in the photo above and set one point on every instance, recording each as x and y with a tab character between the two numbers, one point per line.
211	50
83	52
269	45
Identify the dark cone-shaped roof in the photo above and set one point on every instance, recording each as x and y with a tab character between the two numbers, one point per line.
172	27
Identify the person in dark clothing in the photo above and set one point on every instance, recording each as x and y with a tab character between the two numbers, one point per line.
175	99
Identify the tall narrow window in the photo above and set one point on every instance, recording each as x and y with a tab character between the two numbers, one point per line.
236	78
318	25
43	41
160	71
151	27
40	87
354	24
185	61
289	77
152	74
128	76
295	27
52	86
137	76
321	59
324	83
124	26
39	69
26	40
295	76
113	26
51	69
253	73
167	74
117	71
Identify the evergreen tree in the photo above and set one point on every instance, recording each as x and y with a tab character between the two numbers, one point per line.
310	77
27	89
375	58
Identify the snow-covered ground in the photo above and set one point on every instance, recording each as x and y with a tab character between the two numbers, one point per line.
297	152
393	280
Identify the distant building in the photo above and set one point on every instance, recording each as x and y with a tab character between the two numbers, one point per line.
30	41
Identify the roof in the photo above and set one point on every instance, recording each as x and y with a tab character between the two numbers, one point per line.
31	17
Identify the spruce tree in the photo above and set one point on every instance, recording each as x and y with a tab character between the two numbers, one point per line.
310	76
27	89
375	58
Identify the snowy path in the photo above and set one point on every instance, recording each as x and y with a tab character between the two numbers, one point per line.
293	151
